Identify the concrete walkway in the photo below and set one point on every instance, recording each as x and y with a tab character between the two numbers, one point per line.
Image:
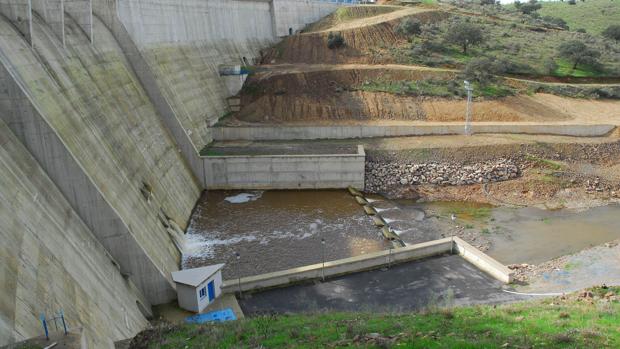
443	281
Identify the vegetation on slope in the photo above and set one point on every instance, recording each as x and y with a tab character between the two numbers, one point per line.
592	15
588	320
520	48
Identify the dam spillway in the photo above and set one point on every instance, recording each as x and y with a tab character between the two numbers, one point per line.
104	106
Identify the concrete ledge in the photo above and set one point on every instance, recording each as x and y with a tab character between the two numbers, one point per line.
372	261
261	133
324	171
340	267
483	261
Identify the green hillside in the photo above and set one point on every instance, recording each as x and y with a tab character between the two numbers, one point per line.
592	15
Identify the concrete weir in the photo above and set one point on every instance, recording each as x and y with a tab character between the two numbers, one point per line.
451	245
104	105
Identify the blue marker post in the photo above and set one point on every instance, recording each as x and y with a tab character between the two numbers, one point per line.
44	322
64	324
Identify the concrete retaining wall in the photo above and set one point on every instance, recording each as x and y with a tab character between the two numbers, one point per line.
345	132
285	171
483	261
294	15
372	261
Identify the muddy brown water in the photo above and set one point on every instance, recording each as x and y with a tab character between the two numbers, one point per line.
532	235
517	235
277	230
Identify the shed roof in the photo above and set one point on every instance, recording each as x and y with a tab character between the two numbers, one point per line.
196	276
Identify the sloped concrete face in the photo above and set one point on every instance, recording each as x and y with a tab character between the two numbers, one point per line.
19	13
81	12
184	43
94	105
51	261
53	13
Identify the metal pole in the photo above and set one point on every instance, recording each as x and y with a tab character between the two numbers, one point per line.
390	257
238	256
323	269
468	115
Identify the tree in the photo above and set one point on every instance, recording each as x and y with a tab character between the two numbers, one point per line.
464	34
612	32
577	53
481	70
529	7
409	27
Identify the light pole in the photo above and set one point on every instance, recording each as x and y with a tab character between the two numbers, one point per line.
470	90
238	257
323	269
391	242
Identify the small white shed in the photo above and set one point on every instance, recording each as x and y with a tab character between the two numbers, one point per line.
198	287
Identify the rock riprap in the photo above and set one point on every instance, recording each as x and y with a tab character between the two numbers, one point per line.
381	176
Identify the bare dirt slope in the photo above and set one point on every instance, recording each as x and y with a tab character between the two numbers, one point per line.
365	38
365	18
305	93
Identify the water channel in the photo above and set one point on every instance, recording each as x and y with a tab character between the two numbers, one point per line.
276	230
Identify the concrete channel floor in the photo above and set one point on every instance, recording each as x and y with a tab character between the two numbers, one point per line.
443	281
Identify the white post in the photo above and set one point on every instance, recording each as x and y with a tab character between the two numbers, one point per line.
323	269
468	115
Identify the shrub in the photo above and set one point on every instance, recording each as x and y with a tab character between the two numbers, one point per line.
555	21
409	27
612	32
335	41
577	53
581	30
529	7
464	34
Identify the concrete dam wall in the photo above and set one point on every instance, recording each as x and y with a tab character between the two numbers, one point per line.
50	260
104	106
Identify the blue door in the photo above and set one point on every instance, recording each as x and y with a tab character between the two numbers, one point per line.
211	289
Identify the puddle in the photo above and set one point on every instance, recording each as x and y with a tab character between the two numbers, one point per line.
277	230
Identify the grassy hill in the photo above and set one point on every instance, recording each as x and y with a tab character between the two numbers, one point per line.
592	15
586	320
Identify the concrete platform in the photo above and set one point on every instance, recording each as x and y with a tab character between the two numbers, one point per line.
172	313
444	280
